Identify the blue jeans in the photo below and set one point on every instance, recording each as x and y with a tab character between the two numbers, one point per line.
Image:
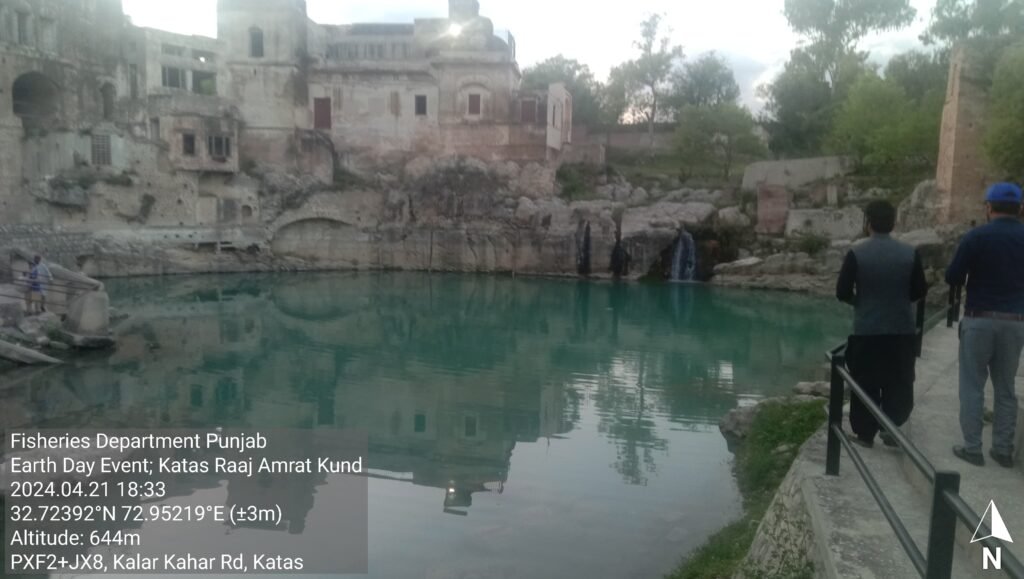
989	348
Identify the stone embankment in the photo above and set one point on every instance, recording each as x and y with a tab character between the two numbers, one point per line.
467	215
834	525
452	214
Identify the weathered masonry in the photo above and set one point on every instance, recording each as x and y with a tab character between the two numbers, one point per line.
105	125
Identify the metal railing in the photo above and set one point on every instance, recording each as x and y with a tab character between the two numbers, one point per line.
948	507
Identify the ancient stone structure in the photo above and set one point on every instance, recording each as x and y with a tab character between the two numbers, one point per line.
150	136
962	174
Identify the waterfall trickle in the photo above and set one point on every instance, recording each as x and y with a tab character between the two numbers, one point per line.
684	257
583	251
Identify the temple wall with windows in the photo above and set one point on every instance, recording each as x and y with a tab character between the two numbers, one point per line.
111	125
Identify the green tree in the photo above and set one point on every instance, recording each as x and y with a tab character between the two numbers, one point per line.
1004	133
716	136
644	81
956	20
884	129
919	73
706	82
614	100
833	27
798	109
585	91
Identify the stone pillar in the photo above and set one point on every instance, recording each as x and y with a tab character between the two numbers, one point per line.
963	173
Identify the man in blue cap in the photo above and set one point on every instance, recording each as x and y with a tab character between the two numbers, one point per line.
990	259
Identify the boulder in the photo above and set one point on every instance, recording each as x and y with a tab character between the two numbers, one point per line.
788	263
736	423
534	180
816	389
89	315
621	192
526	211
845	223
676	195
656	216
921	238
86	342
22	355
639	196
923	208
934	250
723	198
11	307
40	325
604	191
733	218
739	265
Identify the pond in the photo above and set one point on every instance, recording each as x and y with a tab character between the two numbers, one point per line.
517	427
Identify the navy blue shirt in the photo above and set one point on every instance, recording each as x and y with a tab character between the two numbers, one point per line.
990	259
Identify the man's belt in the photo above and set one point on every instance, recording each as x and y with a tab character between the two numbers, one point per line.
994	315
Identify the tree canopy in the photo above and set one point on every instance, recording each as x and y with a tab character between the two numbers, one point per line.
884	128
585	90
705	82
803	100
798	109
642	83
956	20
1004	133
716	137
832	28
919	73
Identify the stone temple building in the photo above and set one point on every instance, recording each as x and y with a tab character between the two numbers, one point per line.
105	125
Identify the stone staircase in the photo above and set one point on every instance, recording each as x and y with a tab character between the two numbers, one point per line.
851	537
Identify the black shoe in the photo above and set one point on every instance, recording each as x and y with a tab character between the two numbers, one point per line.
888	439
1003	460
975	458
865	442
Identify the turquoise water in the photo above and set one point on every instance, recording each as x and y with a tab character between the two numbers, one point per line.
517	427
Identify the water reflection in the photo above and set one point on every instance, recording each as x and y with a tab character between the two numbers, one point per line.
450	376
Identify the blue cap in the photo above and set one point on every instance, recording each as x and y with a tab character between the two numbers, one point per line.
1003	193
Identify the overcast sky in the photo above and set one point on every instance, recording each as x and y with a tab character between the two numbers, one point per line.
751	34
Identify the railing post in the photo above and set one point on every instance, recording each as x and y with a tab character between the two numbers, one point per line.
953	313
919	344
942	528
835	415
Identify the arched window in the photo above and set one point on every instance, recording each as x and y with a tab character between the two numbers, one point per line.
107	92
35	98
256	42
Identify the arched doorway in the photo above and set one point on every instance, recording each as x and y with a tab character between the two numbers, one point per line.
36	98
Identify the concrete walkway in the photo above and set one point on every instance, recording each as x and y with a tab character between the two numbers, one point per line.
852	537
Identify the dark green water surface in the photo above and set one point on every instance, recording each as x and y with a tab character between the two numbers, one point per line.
518	428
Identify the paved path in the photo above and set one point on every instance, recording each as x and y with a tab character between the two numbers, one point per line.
853	538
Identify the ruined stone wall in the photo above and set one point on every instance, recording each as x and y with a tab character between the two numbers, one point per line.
59	245
111	146
794	173
624	138
962	174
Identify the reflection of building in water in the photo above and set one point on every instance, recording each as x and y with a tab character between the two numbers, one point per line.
455	434
453	437
203	360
